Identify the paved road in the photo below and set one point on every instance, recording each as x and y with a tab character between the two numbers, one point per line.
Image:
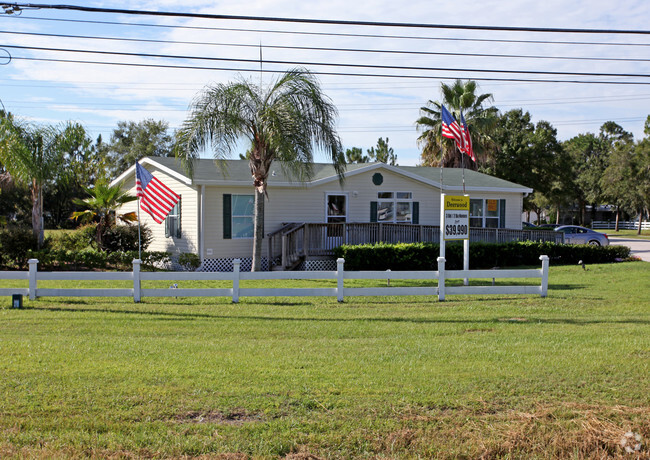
640	248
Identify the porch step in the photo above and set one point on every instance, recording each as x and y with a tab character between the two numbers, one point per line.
292	266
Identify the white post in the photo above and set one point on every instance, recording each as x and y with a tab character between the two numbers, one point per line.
236	270
545	263
339	279
442	224
33	270
441	279
466	260
137	291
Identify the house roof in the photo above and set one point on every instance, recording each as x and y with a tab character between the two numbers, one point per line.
237	172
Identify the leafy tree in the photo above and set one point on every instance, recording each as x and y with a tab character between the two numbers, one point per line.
101	206
31	155
83	164
618	180
132	141
283	122
355	155
589	154
641	174
458	97
383	153
528	154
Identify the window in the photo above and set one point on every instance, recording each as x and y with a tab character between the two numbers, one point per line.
173	221
395	207
488	213
337	210
243	211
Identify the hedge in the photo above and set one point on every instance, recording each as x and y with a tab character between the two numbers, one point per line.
423	256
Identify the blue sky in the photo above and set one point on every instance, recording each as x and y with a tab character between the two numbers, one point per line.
99	96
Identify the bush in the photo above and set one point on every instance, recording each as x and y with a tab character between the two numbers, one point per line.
76	240
15	245
125	238
189	261
423	256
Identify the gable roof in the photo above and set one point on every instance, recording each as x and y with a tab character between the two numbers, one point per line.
237	172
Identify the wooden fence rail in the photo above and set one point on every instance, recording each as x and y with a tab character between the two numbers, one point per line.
437	278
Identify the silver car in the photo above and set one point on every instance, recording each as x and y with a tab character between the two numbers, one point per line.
574	234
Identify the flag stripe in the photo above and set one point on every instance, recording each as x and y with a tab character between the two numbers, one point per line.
156	199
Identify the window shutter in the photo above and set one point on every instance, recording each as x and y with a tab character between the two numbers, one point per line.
502	213
167	225
227	216
178	219
415	218
373	211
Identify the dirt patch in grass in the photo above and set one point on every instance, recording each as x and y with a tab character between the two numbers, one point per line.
235	417
555	432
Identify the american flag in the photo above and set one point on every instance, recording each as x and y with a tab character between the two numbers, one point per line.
450	127
467	139
156	198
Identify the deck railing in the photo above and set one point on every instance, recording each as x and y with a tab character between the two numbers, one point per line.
294	242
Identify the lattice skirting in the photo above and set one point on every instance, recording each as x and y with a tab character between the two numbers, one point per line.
226	264
318	265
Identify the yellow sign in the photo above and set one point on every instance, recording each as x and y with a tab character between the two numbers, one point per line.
457	202
456	218
492	205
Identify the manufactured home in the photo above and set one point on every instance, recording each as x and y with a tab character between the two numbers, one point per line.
304	221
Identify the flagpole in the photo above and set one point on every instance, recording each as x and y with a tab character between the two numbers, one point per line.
138	206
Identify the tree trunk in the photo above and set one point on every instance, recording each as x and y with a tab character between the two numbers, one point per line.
618	217
258	232
557	214
640	221
37	213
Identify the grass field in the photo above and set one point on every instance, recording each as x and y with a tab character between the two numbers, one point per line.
645	234
387	377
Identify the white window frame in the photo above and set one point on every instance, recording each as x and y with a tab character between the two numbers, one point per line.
240	216
173	219
484	210
347	206
394	201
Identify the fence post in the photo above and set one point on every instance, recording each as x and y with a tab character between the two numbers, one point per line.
137	288
33	269
544	260
441	279
236	270
339	279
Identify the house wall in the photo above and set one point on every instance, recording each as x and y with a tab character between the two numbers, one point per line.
190	203
291	204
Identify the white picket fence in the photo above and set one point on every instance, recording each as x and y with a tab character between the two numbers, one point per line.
236	276
622	225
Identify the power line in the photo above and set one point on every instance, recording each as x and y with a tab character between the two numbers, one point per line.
88	9
315	48
330	34
375	75
335	64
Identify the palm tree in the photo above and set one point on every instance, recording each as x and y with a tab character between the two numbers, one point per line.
457	98
284	121
101	204
30	154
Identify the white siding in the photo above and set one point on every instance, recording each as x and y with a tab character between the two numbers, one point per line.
190	201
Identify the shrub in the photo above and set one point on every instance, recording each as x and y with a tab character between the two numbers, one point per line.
76	240
15	245
423	256
125	238
189	261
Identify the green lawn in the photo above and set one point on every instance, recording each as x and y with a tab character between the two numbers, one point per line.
645	234
385	377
